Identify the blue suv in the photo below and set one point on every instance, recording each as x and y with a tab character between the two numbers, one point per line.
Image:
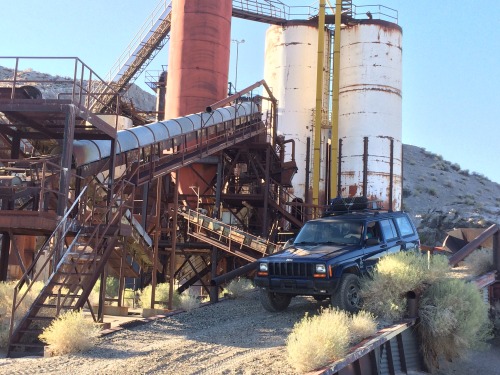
329	255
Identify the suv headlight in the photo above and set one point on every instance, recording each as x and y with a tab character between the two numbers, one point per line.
320	268
263	267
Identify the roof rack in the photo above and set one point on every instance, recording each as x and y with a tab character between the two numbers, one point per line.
340	205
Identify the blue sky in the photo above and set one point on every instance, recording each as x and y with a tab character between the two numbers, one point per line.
451	58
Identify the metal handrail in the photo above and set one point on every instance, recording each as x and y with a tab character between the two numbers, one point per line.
61	228
136	41
81	83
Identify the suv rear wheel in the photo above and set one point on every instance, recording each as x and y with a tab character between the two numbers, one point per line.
348	297
274	302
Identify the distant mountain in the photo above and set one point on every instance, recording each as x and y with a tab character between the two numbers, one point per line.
438	194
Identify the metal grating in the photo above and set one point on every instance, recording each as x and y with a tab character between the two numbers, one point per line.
291	269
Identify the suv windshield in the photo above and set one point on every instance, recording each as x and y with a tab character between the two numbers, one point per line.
341	232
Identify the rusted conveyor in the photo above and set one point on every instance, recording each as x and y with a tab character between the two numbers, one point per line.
226	237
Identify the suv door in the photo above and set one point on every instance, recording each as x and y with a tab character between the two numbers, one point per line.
374	245
391	240
407	233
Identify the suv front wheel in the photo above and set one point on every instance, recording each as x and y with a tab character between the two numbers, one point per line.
274	302
348	297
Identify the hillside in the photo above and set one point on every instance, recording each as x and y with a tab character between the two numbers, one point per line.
437	193
441	196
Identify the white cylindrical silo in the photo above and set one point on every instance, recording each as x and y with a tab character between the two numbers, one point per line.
370	118
290	71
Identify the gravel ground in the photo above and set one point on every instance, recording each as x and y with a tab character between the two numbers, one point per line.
231	337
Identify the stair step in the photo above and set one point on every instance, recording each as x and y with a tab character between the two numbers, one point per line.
63	295
76	273
51	306
30	345
15	354
45	318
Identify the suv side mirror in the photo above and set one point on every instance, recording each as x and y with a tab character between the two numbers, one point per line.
372	241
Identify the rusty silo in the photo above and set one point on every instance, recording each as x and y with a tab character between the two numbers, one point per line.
198	67
370	119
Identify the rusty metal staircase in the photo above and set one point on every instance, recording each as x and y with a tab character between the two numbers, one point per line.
150	39
75	254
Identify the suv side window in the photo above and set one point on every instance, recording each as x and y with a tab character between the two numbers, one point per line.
388	229
404	225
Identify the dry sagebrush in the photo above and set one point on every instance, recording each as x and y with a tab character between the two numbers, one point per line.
188	302
6	301
161	296
318	340
454	318
70	332
238	288
480	261
384	293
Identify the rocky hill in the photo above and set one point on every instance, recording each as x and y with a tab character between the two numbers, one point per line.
438	194
441	196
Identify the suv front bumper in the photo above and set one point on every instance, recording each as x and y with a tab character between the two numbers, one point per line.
306	287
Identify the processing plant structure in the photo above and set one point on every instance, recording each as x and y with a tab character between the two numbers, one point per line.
90	187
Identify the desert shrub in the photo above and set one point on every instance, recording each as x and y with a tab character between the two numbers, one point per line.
455	167
318	340
454	318
6	301
129	298
238	287
161	296
70	332
112	286
432	192
362	325
384	293
188	302
480	261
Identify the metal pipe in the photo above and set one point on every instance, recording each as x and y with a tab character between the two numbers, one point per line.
339	177
234	273
391	175
365	166
334	190
319	104
496	253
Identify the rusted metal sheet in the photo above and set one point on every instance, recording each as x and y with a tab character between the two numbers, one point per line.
392	350
199	55
472	245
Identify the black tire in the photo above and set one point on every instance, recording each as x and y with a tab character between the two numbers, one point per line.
274	302
347	296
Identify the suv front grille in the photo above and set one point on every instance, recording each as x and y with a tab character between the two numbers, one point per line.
291	269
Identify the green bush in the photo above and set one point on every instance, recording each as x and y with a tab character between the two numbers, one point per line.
239	287
384	293
161	296
316	341
70	332
454	318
